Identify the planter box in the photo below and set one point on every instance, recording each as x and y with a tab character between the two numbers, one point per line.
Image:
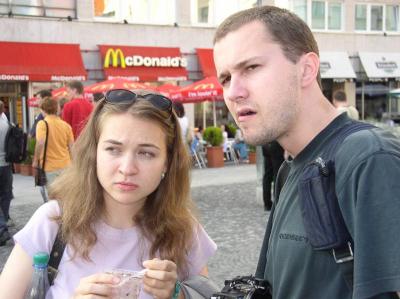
252	157
215	156
17	167
26	169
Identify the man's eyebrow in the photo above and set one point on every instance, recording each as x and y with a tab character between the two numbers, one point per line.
238	66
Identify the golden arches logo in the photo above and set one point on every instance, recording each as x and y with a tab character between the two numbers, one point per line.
204	86
113	54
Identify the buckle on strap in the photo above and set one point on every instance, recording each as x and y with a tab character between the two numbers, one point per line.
343	256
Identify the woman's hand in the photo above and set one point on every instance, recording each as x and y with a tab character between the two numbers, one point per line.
99	285
160	278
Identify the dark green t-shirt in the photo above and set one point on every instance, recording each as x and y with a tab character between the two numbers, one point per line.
367	166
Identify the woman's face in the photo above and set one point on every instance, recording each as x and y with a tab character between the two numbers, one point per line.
131	157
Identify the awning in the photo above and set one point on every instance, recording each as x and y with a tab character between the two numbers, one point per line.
40	62
381	65
336	65
208	89
206	61
143	63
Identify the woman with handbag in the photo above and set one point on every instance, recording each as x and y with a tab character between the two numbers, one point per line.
123	203
54	139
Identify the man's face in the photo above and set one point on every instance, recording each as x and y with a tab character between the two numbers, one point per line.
261	86
71	93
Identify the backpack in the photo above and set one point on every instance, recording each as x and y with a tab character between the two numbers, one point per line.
323	220
15	144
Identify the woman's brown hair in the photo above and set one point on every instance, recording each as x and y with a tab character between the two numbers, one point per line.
166	219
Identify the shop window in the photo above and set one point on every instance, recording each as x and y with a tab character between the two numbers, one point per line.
135	11
37	8
213	12
377	18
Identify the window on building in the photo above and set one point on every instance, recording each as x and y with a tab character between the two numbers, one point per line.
318	14
361	17
377	17
392	18
374	17
213	12
300	8
136	11
36	8
334	16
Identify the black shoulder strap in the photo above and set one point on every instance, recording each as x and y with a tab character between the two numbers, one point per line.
336	141
281	177
55	257
45	144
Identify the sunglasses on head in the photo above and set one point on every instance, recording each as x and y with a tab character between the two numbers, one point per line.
123	96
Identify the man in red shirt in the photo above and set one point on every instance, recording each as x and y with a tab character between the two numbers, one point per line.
77	110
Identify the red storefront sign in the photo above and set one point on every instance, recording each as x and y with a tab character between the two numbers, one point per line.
143	63
40	62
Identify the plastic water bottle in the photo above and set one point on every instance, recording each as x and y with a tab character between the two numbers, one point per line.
40	283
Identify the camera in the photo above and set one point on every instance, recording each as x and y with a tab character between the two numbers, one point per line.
244	287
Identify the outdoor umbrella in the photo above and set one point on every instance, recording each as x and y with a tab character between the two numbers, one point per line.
208	89
33	102
166	89
59	92
117	83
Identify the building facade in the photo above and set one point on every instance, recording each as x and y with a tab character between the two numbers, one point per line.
162	41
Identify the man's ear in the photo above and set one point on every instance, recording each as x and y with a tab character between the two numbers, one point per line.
310	68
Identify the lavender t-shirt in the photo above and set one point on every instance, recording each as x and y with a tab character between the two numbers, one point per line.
115	249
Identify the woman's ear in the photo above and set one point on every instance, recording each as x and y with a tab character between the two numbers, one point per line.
309	68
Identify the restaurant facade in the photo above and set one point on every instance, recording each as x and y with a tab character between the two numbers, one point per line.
170	41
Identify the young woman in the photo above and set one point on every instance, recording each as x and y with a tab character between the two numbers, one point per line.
123	203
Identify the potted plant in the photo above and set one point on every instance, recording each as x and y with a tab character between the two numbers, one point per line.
231	130
26	165
252	154
215	152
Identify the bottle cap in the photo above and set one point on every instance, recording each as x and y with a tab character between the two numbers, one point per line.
41	259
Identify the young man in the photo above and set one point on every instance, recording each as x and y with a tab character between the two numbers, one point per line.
267	61
340	102
76	111
41	95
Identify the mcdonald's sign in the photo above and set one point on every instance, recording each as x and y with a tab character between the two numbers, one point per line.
143	63
114	54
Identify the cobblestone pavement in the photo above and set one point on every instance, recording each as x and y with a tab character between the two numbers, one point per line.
227	209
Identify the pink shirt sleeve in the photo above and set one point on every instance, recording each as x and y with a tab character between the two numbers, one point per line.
202	250
40	231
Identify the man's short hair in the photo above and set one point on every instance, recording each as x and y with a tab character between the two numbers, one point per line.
44	93
77	85
287	29
1	107
49	105
340	96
